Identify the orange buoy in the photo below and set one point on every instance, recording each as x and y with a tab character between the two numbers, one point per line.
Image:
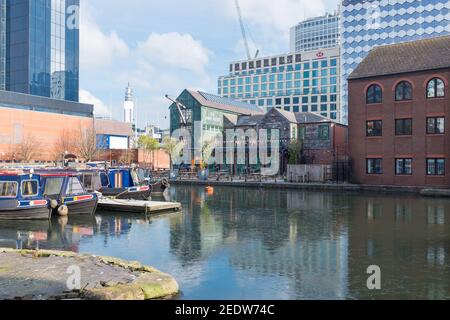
209	190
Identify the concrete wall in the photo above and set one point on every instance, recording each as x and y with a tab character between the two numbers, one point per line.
17	126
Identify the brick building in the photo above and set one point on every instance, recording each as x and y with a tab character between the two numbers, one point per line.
323	141
398	115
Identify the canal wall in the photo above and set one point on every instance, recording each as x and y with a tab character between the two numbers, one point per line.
49	275
426	192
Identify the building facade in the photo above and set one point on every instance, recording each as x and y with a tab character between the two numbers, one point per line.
316	33
399	115
41	48
2	44
205	115
298	82
370	23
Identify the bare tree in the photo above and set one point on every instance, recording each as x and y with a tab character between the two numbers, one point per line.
27	150
86	144
64	143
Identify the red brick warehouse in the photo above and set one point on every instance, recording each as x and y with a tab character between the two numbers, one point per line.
399	110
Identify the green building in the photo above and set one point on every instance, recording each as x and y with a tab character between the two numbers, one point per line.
205	115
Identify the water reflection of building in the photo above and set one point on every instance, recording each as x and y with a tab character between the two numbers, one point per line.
408	238
270	233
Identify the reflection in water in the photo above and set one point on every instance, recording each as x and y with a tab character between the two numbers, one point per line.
261	244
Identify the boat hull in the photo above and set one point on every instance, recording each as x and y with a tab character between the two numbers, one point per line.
87	207
35	213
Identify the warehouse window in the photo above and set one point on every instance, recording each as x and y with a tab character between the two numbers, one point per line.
374	94
435	88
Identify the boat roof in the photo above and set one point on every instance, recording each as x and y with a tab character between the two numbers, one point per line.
58	174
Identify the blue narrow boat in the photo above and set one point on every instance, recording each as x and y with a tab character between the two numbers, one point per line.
122	183
21	197
67	194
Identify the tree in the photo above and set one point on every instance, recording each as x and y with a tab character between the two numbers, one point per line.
149	145
206	153
64	143
86	144
171	147
27	149
294	152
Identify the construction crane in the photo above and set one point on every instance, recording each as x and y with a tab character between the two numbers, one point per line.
244	34
181	107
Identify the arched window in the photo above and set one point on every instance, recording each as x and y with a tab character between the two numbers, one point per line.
403	91
374	94
435	88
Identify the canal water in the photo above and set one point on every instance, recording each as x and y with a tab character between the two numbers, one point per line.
261	244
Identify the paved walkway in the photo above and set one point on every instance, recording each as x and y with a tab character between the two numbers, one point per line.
427	192
38	275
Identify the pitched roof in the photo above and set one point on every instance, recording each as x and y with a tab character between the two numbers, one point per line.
249	120
306	117
413	56
232	118
290	116
221	103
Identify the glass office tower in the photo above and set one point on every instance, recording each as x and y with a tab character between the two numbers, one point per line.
298	82
42	48
2	43
370	23
316	33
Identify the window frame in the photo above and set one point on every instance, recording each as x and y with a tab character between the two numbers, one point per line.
367	128
374	87
324	129
380	166
436	160
403	173
68	187
403	127
435	87
16	189
435	126
403	85
33	195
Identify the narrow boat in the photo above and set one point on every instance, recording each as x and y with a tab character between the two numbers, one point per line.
67	194
121	183
21	197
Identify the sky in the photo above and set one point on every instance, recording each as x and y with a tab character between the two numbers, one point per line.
164	46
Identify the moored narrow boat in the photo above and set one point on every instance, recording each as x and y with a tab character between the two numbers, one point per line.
68	195
21	197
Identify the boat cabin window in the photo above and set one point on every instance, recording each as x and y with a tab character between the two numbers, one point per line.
104	179
90	181
74	187
53	186
8	189
142	174
30	188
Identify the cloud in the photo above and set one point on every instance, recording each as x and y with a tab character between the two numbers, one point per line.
175	50
100	109
97	48
277	15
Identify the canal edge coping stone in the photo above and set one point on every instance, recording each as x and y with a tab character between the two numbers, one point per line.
148	285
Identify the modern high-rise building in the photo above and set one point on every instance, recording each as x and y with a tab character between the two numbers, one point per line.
316	33
128	105
366	24
297	82
2	44
39	48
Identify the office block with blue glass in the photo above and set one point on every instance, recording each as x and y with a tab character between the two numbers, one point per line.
298	82
41	48
370	23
